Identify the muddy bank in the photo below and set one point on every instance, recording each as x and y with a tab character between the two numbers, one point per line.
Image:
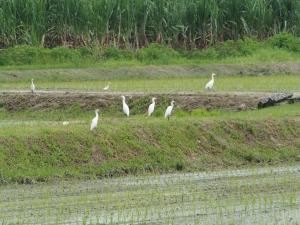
14	101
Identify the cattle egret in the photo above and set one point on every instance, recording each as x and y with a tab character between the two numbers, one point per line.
65	123
151	107
106	88
169	110
95	120
32	86
210	84
125	107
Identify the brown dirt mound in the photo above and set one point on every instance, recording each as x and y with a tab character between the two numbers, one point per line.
14	101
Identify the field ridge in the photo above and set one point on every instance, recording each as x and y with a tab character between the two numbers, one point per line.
46	152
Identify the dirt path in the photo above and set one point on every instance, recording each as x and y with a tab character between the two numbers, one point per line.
16	100
54	92
258	196
22	99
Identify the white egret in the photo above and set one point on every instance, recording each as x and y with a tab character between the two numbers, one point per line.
210	84
151	107
125	107
65	123
106	88
95	120
169	110
32	86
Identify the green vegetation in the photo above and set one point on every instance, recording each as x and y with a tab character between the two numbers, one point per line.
282	47
134	23
50	162
267	195
228	52
35	146
26	55
41	150
243	83
80	114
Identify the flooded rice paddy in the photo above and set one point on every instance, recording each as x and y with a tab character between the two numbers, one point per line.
256	196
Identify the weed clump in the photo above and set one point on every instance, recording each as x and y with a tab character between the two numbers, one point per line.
231	48
285	41
157	52
113	52
28	55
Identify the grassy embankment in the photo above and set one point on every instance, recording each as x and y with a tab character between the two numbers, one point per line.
41	151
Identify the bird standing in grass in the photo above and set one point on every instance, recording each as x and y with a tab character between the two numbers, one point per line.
125	107
151	107
106	88
210	84
66	123
32	87
95	120
169	110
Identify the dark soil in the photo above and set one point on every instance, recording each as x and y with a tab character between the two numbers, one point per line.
14	101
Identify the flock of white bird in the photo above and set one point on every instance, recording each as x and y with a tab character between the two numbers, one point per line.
126	111
151	107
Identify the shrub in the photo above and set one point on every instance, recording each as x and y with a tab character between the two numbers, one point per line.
62	54
27	55
19	55
236	48
226	49
285	41
113	52
209	53
157	53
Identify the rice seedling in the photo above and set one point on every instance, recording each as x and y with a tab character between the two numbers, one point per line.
183	85
263	195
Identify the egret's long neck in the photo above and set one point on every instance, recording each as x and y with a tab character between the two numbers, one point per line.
97	116
172	104
153	101
212	77
31	81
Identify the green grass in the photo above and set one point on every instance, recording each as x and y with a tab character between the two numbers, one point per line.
261	55
39	150
157	83
277	112
81	115
280	48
